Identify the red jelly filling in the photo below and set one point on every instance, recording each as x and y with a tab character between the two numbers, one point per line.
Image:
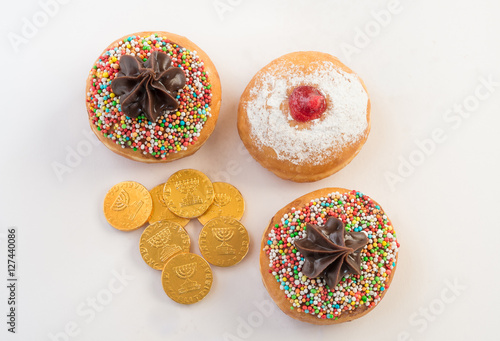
306	103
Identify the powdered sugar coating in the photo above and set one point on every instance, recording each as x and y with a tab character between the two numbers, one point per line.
343	123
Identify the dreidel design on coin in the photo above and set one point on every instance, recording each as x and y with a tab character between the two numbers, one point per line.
159	241
185	272
187	187
224	234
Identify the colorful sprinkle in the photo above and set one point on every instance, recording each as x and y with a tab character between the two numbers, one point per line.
172	132
312	295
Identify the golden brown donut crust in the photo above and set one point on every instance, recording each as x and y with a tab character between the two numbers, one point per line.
272	285
266	156
209	125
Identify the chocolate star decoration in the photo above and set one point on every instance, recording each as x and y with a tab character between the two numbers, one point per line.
149	87
330	252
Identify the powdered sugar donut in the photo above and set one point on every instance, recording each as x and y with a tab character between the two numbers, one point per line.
304	116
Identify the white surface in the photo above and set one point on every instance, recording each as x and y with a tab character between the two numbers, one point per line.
428	58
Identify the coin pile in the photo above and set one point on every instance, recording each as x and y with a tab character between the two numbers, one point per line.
165	244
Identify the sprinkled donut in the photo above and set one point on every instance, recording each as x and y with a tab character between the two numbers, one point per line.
329	256
153	97
304	116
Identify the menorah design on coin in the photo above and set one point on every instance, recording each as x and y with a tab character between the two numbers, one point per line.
221	199
121	201
159	241
185	272
187	187
224	234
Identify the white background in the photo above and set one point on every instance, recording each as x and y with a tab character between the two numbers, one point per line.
427	58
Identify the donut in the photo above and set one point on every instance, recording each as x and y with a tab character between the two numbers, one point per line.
329	256
153	97
304	116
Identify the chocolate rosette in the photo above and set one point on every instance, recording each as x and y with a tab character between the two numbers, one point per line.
329	256
149	87
330	251
153	97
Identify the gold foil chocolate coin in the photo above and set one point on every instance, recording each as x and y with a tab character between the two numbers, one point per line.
127	205
160	209
228	202
161	241
223	241
189	193
186	278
